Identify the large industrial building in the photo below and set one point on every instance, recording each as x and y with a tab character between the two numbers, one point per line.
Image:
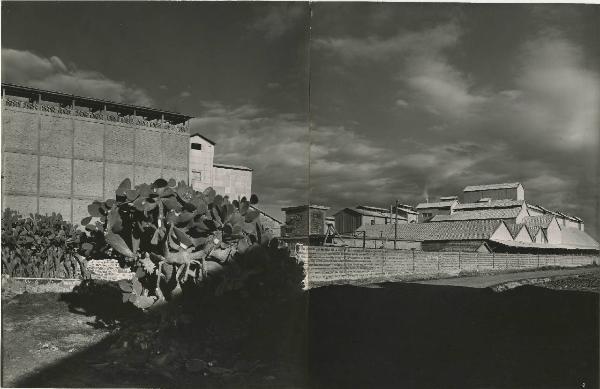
490	218
60	151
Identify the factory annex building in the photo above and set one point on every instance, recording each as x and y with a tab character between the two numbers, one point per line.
487	218
60	152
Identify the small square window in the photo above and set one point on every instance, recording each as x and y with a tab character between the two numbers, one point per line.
196	146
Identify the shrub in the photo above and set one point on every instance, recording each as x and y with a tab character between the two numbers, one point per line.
41	246
174	237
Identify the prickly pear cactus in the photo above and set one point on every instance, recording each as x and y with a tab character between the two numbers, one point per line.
172	236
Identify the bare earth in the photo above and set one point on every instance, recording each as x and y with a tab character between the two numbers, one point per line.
486	281
37	331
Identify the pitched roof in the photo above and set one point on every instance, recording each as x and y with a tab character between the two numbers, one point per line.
196	133
535	245
557	213
464	230
533	230
490	204
514	228
370	212
438	205
508	185
479	214
542	221
575	238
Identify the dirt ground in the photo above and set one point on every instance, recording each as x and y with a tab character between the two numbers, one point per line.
396	335
39	330
91	339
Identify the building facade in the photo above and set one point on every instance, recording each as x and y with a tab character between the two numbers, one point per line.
510	191
305	220
229	180
348	220
426	211
60	152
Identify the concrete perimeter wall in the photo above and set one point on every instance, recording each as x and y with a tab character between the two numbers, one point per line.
54	162
325	265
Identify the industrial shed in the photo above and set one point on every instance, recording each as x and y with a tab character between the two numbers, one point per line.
427	211
512	190
348	220
507	210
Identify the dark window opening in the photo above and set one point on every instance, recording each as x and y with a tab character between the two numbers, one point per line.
196	146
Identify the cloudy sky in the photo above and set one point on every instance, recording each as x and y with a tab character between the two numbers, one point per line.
377	101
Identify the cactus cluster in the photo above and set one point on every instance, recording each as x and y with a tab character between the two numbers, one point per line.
173	236
41	246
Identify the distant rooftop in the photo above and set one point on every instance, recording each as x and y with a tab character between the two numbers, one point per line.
490	204
66	99
479	214
438	205
463	230
474	188
197	133
370	211
301	207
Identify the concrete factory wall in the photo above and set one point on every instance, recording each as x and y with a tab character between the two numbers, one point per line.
60	163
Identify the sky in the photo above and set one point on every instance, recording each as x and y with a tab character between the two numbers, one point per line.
346	103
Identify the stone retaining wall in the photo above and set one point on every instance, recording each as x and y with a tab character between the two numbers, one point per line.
325	265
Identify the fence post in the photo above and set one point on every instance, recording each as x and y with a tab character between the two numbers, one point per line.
493	260
383	261
413	258
346	276
364	239
477	260
438	263
538	258
459	261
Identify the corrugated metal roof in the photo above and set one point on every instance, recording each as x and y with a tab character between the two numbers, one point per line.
490	204
465	230
439	205
479	214
508	185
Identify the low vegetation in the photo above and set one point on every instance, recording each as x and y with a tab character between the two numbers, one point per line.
41	246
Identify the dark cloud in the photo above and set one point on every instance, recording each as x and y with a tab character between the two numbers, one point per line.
429	124
26	68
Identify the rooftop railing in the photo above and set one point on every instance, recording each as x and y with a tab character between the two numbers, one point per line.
99	114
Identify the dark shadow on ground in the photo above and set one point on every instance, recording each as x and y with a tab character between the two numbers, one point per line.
396	336
409	335
261	345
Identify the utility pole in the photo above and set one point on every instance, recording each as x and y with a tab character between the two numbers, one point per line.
396	226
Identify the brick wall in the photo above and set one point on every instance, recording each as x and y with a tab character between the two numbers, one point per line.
53	162
335	264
